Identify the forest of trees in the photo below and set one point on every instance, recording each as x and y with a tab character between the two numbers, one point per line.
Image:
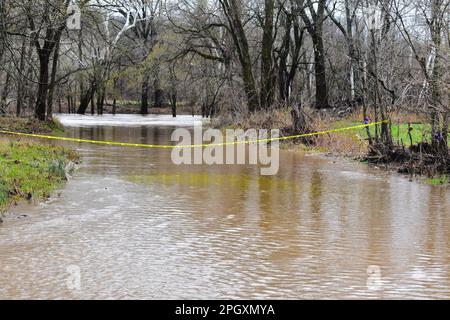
229	57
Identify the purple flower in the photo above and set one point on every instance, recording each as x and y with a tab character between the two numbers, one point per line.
438	136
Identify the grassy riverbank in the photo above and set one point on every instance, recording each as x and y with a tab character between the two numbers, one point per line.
29	125
353	142
30	169
407	130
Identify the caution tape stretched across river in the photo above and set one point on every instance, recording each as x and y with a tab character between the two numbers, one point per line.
157	146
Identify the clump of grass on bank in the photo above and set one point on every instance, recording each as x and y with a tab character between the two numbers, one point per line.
29	170
439	181
29	125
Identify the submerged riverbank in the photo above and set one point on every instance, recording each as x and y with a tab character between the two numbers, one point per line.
30	169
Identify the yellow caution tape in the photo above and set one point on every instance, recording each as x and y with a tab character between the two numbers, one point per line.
156	146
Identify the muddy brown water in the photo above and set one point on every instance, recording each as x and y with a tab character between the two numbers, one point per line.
136	226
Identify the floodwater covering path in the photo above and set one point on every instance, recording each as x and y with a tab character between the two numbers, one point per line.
131	225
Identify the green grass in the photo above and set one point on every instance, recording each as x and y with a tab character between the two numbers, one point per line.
420	132
29	170
56	127
439	181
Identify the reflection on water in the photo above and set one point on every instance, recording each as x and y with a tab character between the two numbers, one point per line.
140	227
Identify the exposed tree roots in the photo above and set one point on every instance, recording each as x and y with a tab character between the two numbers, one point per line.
419	159
301	126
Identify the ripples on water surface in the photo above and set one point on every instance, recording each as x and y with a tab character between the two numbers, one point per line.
140	227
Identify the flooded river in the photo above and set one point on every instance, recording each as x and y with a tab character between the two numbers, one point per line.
131	225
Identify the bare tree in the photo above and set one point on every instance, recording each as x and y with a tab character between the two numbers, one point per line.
314	16
347	27
46	29
233	13
267	63
147	13
432	62
2	28
289	51
102	56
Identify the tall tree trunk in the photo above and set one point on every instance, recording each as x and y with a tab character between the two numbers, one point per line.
44	60
173	98
27	84
51	38
267	70
283	62
320	72
69	104
100	99
158	92
80	63
232	9
2	28
351	51
378	104
5	93
92	102
314	24
59	102
145	93
20	80
439	114
286	74
114	106
173	90
87	97
51	89
159	98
